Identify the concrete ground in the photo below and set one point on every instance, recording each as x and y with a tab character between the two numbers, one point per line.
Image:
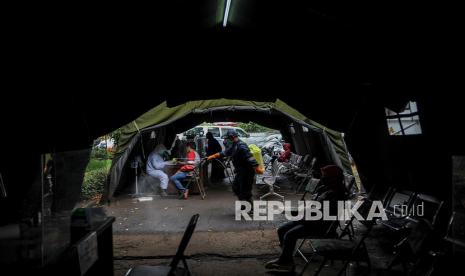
149	232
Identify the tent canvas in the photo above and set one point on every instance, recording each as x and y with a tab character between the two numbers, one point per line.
163	115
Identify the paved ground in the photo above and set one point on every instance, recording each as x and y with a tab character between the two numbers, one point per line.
149	233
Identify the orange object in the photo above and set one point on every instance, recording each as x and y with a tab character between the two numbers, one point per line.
259	170
214	156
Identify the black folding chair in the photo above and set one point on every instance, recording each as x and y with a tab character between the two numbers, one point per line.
345	250
293	165
194	177
173	268
349	181
456	230
304	175
431	208
429	205
414	247
397	206
328	234
440	258
310	188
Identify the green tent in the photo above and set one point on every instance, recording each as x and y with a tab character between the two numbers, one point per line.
176	119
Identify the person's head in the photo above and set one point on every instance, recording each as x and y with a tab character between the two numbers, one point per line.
209	135
333	176
190	146
287	146
232	135
160	149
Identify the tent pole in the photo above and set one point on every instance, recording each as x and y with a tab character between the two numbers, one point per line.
137	184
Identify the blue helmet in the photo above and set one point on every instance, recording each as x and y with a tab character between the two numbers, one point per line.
231	133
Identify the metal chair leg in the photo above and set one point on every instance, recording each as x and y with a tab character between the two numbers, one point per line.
271	194
307	263
201	189
186	266
321	266
298	247
300	185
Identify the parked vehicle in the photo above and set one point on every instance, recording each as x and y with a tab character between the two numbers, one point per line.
218	130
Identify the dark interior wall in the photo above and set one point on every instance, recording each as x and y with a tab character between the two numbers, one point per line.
70	167
421	163
366	141
20	177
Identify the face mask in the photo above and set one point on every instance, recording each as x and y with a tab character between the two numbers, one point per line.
228	143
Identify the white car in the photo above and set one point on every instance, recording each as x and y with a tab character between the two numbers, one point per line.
218	131
106	144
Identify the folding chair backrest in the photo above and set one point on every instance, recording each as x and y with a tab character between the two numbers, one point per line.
298	160
363	210
310	187
360	240
306	158
274	167
332	229
387	196
349	182
426	207
279	168
304	161
312	164
456	229
419	235
266	159
184	242
397	199
292	158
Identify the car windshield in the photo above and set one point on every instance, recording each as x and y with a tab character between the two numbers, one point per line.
241	133
224	131
215	131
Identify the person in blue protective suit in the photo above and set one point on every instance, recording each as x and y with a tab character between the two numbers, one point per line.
244	163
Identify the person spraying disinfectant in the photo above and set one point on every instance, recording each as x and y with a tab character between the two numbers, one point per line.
244	163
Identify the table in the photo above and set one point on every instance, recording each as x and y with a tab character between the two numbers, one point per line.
68	264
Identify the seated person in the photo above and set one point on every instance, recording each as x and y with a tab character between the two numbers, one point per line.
193	159
155	166
283	156
286	154
332	189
